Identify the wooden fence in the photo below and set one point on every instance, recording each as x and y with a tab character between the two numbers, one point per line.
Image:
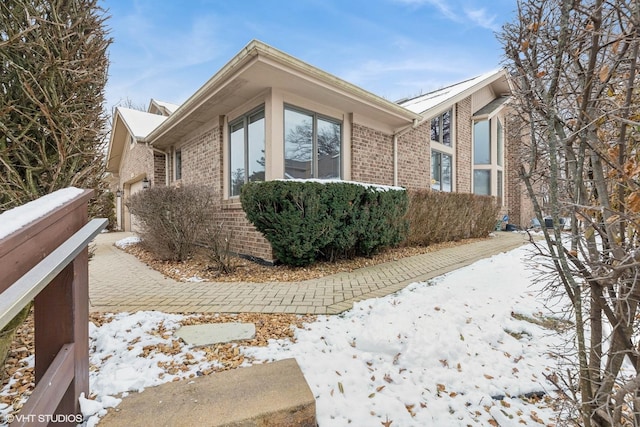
47	262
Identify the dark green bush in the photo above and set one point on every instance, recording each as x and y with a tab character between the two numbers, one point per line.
310	220
436	217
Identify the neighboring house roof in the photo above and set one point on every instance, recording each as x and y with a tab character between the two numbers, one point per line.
167	108
257	68
434	102
128	122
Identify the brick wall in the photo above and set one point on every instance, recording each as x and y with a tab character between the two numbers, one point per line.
414	158
464	152
371	155
159	169
136	160
520	205
202	164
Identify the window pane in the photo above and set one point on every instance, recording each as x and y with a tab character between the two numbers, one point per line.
446	172
329	139
482	182
178	165
256	147
298	144
435	170
481	143
237	158
499	189
446	128
499	143
435	129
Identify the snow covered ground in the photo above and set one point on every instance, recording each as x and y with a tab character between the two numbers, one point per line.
441	353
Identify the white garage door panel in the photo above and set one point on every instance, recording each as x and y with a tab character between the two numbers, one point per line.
135	224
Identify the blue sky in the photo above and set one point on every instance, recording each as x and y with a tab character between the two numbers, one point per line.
394	48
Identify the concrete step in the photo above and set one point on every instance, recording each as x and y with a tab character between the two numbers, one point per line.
268	395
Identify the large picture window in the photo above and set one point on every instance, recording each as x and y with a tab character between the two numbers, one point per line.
440	171
312	145
246	150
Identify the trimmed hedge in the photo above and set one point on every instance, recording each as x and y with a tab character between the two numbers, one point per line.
436	217
310	220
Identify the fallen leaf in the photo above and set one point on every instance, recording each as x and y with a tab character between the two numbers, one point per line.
489	377
380	388
410	409
386	423
340	387
441	387
387	378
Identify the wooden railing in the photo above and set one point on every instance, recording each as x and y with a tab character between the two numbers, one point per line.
47	262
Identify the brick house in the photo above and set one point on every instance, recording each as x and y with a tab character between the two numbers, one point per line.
267	115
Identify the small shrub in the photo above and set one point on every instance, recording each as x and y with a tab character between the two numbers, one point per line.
217	241
172	219
436	217
309	220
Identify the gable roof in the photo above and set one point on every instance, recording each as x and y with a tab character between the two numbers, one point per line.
167	108
440	99
128	122
259	67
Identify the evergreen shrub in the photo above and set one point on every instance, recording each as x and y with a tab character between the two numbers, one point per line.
306	221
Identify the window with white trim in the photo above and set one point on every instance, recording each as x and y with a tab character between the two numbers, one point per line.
488	158
441	171
312	145
177	164
246	150
441	128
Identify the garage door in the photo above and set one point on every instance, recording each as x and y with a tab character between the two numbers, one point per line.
135	224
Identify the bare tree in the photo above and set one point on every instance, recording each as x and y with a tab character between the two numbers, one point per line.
575	72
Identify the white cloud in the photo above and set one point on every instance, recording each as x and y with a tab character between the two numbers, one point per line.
481	18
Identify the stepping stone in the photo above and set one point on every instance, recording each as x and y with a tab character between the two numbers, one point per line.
214	333
269	395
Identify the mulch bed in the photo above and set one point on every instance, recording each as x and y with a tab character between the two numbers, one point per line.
248	271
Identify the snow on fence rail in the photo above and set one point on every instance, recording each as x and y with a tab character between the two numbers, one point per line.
46	261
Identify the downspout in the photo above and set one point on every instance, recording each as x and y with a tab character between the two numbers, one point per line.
166	162
397	134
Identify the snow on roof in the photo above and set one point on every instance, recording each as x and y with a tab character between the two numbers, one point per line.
140	123
18	217
168	105
422	103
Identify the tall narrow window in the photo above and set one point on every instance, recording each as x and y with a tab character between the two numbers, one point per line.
481	143
178	164
246	151
441	128
499	189
441	171
312	145
499	142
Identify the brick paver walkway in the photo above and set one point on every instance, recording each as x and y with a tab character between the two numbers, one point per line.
119	282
